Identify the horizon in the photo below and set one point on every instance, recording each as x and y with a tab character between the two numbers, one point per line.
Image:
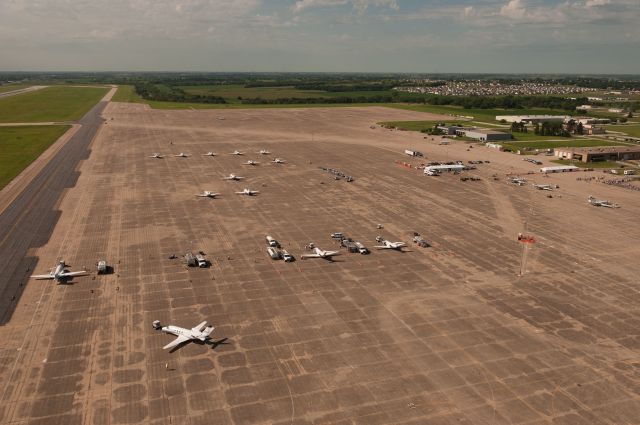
542	37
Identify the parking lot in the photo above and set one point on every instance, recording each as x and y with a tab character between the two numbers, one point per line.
464	331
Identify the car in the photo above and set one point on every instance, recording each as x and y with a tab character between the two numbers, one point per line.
102	266
337	235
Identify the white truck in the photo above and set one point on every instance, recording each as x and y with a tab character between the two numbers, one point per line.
274	253
412	152
272	242
202	262
361	248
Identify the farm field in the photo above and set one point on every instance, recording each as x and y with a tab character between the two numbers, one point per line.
20	146
630	129
57	103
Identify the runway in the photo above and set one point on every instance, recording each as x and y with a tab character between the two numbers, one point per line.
28	222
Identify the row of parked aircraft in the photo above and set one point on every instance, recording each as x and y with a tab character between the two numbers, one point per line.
249	162
385	244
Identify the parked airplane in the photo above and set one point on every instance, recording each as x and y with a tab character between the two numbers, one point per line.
319	253
59	273
156	155
207	194
543	186
278	161
201	333
236	153
251	162
389	245
209	154
264	152
232	177
181	155
601	203
519	181
248	192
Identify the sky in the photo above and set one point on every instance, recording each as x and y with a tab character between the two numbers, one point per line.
417	36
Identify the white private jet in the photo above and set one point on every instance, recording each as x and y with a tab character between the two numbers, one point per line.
519	181
200	333
278	161
319	253
209	154
156	155
248	192
251	162
264	152
232	177
601	203
181	155
236	153
543	186
59	273
207	194
389	245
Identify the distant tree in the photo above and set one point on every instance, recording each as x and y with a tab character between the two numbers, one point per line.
579	128
622	120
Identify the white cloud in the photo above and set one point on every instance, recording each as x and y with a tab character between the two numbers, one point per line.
359	5
513	9
596	3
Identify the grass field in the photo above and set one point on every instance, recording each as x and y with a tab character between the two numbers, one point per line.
12	87
231	92
127	94
550	144
631	130
61	103
20	146
417	125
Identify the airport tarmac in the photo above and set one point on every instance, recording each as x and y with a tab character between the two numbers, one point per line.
451	334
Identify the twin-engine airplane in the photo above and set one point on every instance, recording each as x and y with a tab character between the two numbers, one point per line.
209	154
200	333
390	245
156	155
232	177
59	273
319	253
181	155
248	192
208	194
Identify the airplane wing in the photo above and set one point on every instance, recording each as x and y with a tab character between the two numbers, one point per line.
309	256
255	191
382	247
42	276
69	274
331	253
179	340
199	327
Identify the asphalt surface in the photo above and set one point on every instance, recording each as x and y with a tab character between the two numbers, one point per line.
28	222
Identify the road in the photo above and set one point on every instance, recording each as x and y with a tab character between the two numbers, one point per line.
20	91
28	222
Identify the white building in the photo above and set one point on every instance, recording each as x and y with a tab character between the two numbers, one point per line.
559	169
443	167
533	118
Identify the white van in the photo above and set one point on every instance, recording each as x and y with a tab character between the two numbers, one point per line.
272	242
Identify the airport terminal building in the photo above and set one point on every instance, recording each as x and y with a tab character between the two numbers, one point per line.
614	153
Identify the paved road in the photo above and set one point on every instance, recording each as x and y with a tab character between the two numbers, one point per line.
19	91
29	221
